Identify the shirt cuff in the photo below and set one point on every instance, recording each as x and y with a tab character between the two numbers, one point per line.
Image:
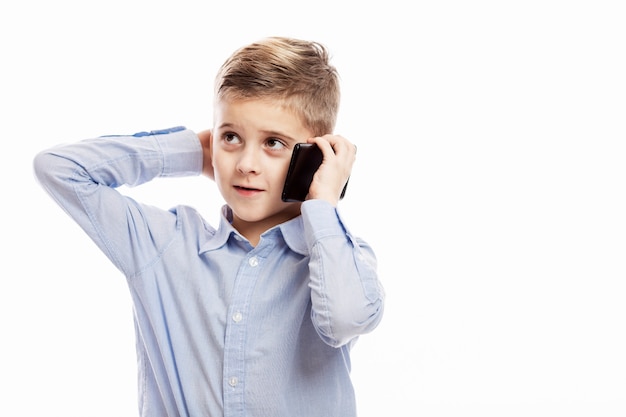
182	152
321	220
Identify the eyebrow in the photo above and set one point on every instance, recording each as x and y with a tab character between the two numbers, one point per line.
265	132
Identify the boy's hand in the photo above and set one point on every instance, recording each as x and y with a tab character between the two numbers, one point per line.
332	175
206	137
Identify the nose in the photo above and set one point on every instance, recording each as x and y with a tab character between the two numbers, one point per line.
248	162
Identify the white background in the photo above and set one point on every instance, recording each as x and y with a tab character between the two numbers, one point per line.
490	179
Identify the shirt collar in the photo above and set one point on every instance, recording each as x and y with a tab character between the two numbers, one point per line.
292	232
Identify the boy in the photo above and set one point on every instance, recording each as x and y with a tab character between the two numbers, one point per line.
257	316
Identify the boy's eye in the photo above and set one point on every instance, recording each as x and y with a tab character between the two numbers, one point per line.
274	143
231	138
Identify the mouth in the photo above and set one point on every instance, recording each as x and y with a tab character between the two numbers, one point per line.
247	191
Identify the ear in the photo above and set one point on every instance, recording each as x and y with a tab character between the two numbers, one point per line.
206	140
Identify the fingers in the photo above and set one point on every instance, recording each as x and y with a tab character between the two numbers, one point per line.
336	144
338	156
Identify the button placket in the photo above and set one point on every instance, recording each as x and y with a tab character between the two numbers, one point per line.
235	343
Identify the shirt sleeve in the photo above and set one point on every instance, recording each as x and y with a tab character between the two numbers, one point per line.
347	297
82	178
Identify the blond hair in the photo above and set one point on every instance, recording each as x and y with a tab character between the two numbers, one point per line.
295	72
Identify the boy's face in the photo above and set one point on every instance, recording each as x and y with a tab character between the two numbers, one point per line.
252	145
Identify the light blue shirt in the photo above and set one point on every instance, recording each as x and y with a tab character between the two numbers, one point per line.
223	328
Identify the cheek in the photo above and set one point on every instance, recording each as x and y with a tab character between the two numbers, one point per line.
221	165
280	171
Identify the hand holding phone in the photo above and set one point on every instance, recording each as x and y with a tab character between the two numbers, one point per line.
305	161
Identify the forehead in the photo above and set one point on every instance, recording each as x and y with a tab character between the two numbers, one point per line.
259	115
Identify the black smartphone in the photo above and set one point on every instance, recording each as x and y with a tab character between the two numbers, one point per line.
305	160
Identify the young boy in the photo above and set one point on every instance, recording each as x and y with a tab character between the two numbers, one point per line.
257	316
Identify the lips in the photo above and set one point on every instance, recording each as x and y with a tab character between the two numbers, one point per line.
239	187
247	191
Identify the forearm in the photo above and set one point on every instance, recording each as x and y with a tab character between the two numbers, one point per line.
118	160
347	297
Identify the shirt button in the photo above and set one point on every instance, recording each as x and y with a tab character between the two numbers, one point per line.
237	317
233	381
254	261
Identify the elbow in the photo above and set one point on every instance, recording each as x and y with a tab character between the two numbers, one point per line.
53	173
338	329
39	165
43	166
